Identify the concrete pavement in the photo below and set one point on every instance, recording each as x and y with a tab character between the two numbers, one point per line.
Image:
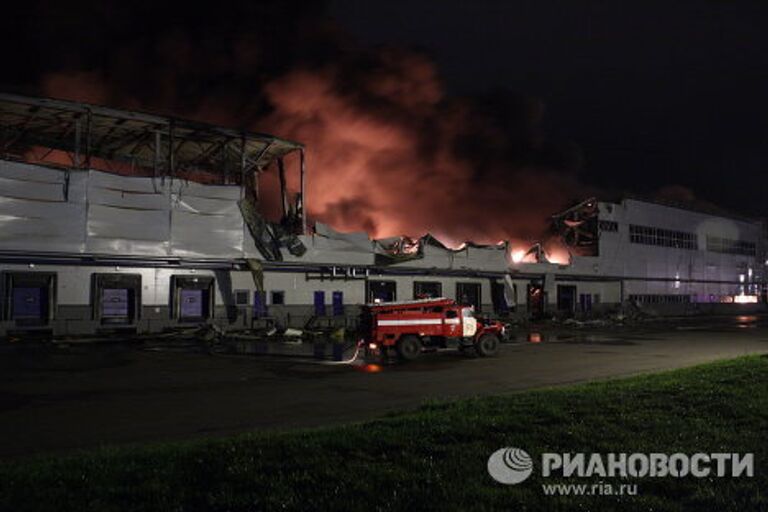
61	399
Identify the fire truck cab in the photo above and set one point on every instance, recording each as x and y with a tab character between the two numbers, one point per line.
412	326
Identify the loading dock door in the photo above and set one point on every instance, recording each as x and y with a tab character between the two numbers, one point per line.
501	298
382	291
29	297
536	300
427	289
191	303
114	305
29	303
468	294
193	298
116	298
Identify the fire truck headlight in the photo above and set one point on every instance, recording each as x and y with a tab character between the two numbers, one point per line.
372	346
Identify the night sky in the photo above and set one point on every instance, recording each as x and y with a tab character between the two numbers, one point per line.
645	97
655	93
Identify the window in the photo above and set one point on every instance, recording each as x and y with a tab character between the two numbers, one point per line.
30	297
382	291
192	298
468	294
278	298
116	298
610	226
241	297
660	299
427	289
731	246
662	237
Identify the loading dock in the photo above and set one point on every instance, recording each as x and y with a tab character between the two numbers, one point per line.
382	291
469	294
116	299
30	298
192	298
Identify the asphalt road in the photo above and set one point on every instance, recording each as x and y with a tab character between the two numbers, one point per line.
62	399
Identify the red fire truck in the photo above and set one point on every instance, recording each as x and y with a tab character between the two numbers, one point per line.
412	326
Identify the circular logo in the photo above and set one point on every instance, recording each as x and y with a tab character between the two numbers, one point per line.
510	465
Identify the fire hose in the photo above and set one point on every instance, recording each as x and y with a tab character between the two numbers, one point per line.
347	361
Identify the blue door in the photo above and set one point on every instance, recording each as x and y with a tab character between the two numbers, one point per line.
319	303
586	302
259	304
338	303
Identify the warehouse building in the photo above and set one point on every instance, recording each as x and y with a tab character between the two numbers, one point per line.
113	220
661	257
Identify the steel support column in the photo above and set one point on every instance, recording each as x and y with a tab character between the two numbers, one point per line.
171	155
283	187
303	191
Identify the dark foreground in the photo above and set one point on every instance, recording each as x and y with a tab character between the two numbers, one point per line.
435	458
62	399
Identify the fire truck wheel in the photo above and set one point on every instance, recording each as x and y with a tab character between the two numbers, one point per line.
487	345
409	348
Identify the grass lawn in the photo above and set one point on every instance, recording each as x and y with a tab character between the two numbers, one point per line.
435	457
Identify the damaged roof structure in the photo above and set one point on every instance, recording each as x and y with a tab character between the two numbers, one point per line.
87	179
112	217
113	140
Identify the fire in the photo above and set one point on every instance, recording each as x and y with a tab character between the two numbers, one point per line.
387	149
550	252
370	368
534	337
559	256
384	157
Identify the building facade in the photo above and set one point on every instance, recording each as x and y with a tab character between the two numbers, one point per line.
143	224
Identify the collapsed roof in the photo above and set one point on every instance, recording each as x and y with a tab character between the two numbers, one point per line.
54	199
79	135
